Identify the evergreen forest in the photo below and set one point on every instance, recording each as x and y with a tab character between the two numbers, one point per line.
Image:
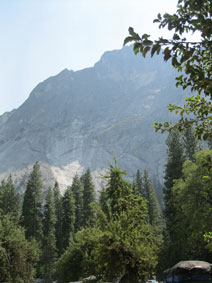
122	233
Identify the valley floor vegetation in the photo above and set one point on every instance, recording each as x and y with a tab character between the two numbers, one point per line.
123	235
72	236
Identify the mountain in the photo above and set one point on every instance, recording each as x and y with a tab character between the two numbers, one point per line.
79	120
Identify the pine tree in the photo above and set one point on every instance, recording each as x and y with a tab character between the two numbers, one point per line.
9	199
173	171
59	217
116	188
49	238
2	190
135	187
190	143
68	217
77	189
32	204
88	198
159	186
103	201
154	212
127	237
139	183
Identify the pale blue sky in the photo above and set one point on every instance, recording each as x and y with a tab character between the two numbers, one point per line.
40	38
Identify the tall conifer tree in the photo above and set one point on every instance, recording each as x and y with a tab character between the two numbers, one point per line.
68	217
49	238
103	201
77	189
140	185
88	198
59	217
116	188
32	204
9	199
154	212
2	189
127	237
190	143
173	171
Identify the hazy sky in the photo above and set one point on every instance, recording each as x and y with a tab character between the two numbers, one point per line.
40	38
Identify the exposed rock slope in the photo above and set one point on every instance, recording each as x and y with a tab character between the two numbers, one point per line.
76	120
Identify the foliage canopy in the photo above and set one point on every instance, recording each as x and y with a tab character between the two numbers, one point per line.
192	59
17	256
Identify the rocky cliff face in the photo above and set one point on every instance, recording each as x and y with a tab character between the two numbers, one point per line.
76	120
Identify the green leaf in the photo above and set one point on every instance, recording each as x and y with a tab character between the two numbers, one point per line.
136	47
131	31
154	49
147	42
159	17
205	177
136	50
167	54
145	36
128	39
156	21
134	34
175	63
166	124
158	50
145	50
185	57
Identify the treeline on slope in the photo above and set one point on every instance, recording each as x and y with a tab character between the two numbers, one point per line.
72	236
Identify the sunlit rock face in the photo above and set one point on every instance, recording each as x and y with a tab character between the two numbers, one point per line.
79	120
